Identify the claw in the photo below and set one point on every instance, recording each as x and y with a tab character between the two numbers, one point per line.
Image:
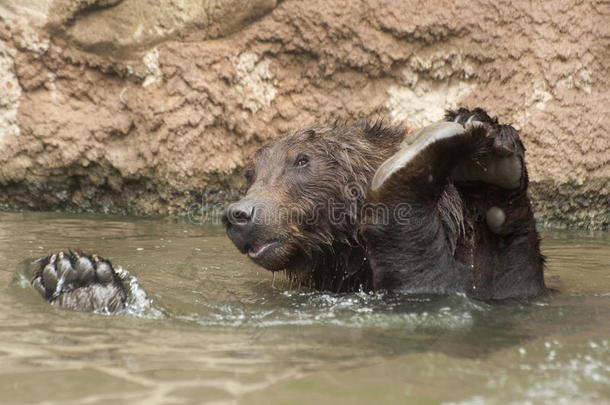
470	125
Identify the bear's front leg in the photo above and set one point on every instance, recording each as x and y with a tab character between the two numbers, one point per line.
415	215
465	220
492	182
493	174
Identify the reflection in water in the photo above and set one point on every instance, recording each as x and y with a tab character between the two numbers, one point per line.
227	335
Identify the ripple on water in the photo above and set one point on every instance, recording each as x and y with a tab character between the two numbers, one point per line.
220	330
358	310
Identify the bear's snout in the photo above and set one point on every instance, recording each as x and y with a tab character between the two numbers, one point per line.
252	225
238	219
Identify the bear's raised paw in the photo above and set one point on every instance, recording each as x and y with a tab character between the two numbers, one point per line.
81	282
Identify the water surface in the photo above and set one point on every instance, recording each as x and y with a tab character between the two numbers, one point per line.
227	333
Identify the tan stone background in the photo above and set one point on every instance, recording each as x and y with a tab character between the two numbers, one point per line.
152	106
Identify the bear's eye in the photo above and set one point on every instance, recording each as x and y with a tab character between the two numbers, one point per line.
301	161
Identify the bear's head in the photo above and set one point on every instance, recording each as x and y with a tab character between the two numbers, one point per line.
304	197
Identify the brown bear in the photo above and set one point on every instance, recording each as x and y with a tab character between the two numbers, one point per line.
443	210
366	207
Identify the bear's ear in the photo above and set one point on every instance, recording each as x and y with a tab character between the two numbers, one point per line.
310	133
413	146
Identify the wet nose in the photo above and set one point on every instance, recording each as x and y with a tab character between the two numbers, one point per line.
238	219
239	214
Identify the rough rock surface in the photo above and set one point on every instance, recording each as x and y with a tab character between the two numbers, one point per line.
153	106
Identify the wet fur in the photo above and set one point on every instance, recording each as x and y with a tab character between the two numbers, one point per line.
441	245
444	246
331	256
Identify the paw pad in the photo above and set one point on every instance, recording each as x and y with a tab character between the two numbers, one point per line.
80	282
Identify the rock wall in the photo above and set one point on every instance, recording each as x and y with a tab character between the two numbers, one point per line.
154	106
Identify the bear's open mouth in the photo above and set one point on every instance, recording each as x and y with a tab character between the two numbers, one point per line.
258	250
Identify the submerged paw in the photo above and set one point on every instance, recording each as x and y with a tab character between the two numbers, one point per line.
81	282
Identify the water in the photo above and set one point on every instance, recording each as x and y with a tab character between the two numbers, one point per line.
225	333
